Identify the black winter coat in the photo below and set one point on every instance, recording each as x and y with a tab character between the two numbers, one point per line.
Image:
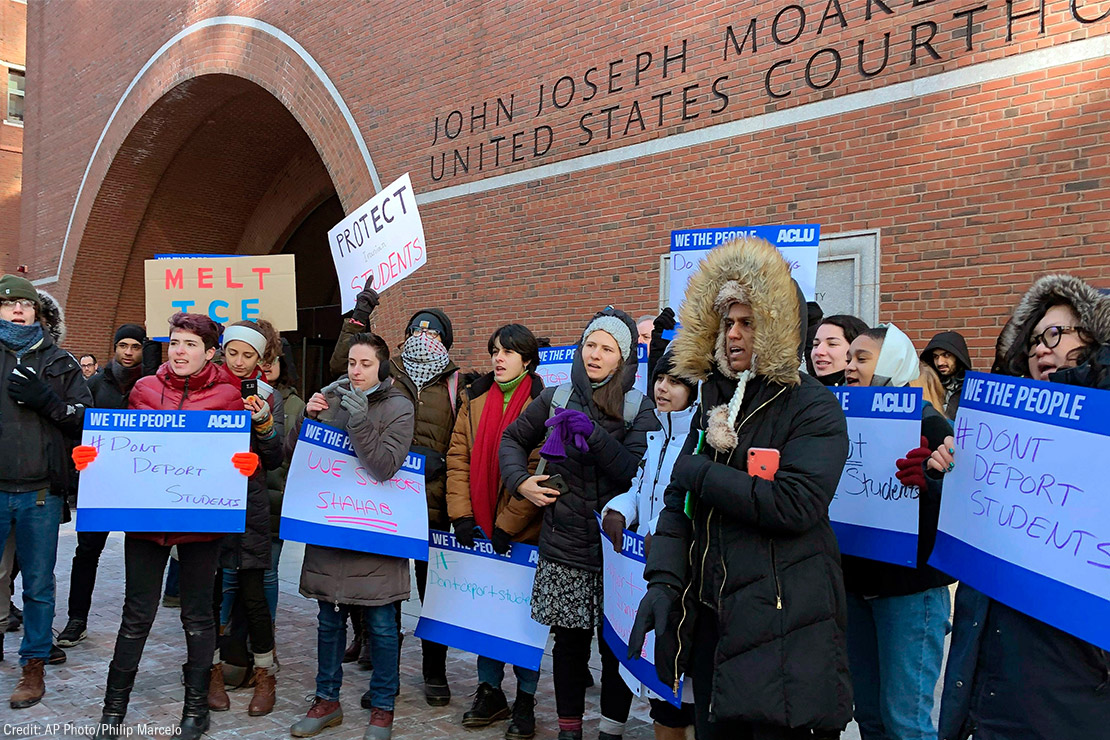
106	390
763	555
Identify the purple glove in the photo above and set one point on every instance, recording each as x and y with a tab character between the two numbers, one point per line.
567	425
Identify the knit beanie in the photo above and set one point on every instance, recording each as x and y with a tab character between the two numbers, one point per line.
13	287
130	331
615	328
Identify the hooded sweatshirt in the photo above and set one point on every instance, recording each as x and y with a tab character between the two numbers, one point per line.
953	342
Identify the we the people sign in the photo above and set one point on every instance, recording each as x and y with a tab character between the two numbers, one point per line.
383	237
163	471
226	289
1024	516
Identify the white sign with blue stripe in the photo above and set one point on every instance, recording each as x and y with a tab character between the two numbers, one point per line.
624	584
481	602
555	364
798	244
873	514
332	500
1025	517
163	471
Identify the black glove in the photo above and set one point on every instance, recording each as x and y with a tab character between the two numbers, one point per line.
688	472
664	321
365	303
152	356
465	527
26	387
501	540
653	613
613	525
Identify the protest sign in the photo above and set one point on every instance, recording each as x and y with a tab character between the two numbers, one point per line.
383	237
468	586
163	471
1024	516
555	364
798	244
226	289
332	500
624	584
873	514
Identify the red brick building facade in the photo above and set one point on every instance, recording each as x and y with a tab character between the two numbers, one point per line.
13	34
951	151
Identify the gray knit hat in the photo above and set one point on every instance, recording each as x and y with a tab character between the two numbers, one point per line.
615	328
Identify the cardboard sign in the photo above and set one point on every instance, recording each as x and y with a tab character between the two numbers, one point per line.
624	585
555	364
481	602
332	500
873	514
383	237
226	289
798	244
1024	517
163	471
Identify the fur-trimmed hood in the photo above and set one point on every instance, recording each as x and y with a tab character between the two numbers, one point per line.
753	271
52	317
1092	307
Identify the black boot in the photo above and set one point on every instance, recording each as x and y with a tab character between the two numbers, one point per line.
489	707
522	726
194	713
116	696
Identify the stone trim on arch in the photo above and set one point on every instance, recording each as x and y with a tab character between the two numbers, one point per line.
256	51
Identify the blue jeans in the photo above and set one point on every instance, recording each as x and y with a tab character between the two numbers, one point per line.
895	650
331	642
269	583
493	672
36	548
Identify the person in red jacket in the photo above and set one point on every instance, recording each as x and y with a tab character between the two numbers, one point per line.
187	381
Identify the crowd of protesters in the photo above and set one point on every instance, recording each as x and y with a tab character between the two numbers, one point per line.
778	635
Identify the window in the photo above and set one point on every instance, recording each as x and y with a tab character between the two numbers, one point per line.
16	83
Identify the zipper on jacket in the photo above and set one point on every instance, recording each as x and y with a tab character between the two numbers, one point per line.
682	619
184	393
775	575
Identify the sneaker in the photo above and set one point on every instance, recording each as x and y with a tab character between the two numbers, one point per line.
321	715
489	706
171	602
74	633
381	725
57	655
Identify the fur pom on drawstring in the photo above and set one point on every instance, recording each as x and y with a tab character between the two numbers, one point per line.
721	428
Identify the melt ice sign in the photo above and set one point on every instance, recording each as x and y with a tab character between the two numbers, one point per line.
466	586
555	364
226	289
873	514
332	500
383	237
1024	517
163	471
797	243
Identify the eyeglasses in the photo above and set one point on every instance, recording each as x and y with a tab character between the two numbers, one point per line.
23	303
1050	337
432	333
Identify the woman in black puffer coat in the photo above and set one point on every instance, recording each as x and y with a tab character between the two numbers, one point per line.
611	421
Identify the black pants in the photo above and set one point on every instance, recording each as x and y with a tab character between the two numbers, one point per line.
570	661
434	654
86	559
250	617
145	562
706	637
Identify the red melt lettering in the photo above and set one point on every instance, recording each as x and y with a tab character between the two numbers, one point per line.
231	283
261	271
204	277
175	279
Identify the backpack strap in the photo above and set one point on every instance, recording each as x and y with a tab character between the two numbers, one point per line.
632	401
560	399
453	392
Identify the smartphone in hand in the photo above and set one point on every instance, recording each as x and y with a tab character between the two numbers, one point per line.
763	462
249	387
556	483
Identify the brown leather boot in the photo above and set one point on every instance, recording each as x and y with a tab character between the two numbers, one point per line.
218	700
265	693
28	692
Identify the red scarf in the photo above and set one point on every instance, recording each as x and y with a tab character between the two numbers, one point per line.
485	470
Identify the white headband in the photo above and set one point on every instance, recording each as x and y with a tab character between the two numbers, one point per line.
246	334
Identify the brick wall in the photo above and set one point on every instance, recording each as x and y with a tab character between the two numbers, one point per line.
978	182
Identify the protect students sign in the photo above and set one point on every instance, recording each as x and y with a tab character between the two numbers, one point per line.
873	514
624	584
555	364
163	471
226	289
332	500
798	244
1025	517
481	602
383	237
